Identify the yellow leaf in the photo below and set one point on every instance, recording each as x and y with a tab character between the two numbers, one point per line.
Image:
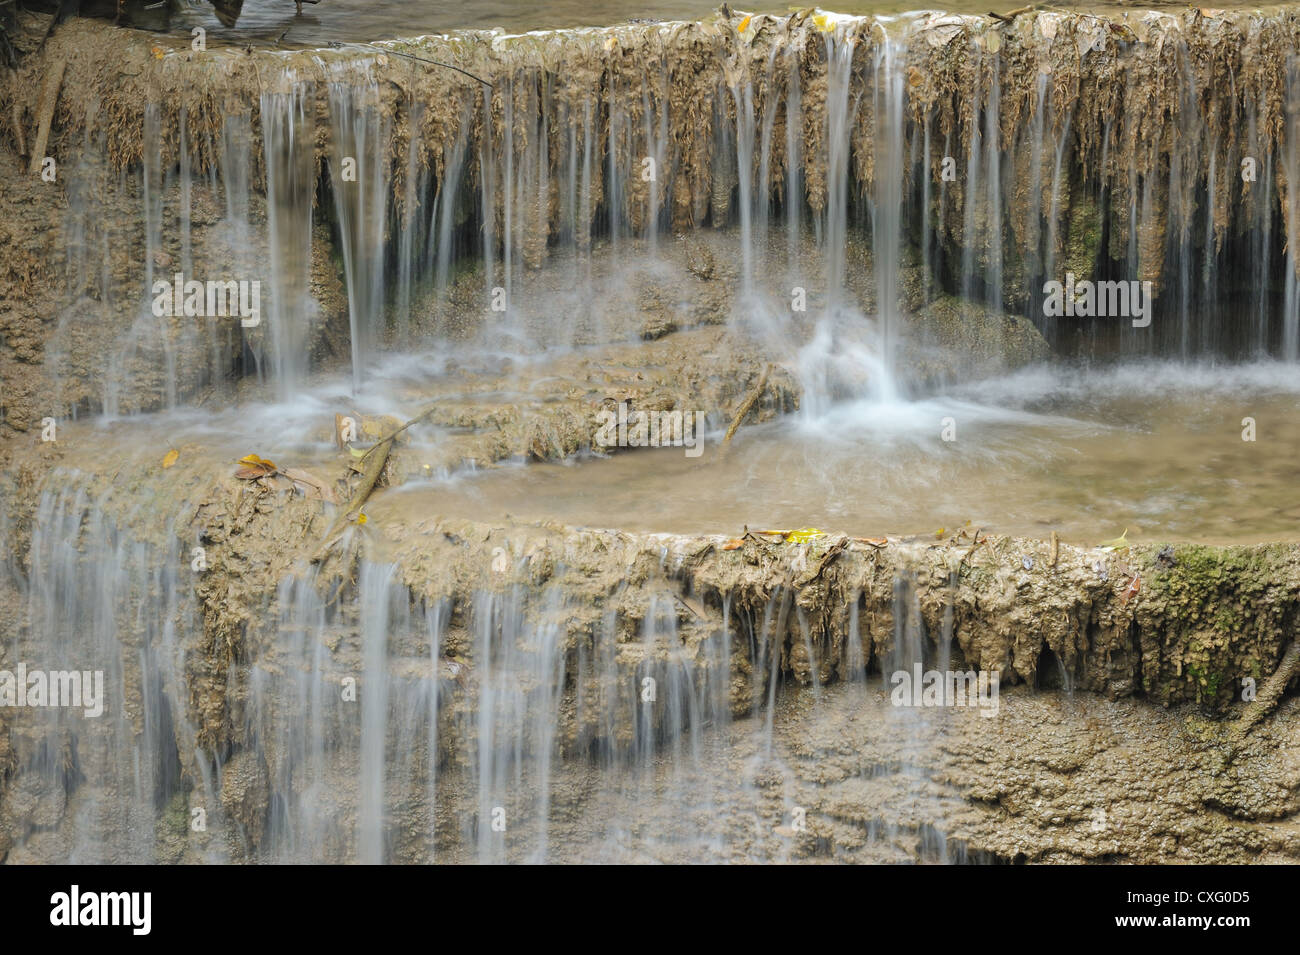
823	22
611	43
1119	543
170	458
743	24
940	532
251	466
157	52
361	518
803	535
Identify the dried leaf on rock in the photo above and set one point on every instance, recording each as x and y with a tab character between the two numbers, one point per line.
251	466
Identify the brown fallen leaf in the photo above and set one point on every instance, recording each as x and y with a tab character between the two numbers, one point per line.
873	541
170	458
251	466
734	544
1132	590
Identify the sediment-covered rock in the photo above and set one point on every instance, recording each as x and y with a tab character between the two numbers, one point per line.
1150	146
386	693
485	639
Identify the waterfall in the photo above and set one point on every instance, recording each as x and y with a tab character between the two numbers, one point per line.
290	184
887	204
547	161
501	248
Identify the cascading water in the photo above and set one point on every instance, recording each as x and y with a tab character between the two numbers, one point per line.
540	166
816	184
290	187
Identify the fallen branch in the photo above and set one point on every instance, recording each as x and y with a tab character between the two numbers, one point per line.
1012	14
396	431
19	135
49	98
369	477
1270	693
747	406
410	56
374	466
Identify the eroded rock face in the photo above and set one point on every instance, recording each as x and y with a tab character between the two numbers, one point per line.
80	332
1016	152
378	705
1053	778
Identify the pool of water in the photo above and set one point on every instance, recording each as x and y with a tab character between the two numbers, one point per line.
375	19
1158	450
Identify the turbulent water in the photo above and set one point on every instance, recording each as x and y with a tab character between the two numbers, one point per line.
490	725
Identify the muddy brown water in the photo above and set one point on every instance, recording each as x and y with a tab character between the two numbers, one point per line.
357	20
1158	451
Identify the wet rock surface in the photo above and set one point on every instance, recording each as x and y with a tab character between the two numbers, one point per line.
1030	142
766	638
396	691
